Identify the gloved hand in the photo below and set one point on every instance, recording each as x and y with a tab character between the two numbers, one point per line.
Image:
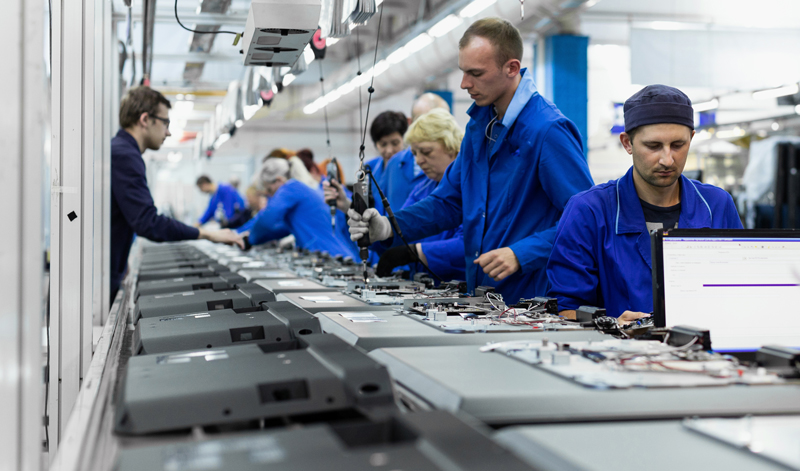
396	257
371	222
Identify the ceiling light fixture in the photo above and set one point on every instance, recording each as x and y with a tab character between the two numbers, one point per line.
706	105
777	92
475	7
447	24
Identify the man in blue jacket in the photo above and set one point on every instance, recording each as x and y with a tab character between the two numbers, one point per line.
601	254
144	119
223	195
520	161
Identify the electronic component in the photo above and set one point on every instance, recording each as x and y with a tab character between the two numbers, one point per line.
681	335
540	303
635	363
481	291
314	374
589	313
782	360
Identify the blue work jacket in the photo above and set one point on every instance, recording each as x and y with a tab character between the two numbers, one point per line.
299	210
230	199
509	195
402	175
444	251
132	208
601	255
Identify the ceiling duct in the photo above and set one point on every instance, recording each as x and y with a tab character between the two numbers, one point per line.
278	31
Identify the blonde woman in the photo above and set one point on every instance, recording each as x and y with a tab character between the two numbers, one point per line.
435	139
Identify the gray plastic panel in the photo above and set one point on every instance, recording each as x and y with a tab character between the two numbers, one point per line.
329	301
272	322
298	285
501	390
318	373
187	302
177	285
169	273
401	330
677	448
425	441
252	275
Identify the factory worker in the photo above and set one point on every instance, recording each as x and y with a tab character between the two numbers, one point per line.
601	254
144	119
399	174
402	174
224	204
294	208
520	161
434	140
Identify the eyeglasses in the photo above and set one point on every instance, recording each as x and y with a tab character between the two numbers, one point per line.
163	120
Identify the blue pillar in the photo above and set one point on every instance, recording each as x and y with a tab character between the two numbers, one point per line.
566	78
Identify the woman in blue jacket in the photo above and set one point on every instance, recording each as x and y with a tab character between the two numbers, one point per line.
294	208
435	140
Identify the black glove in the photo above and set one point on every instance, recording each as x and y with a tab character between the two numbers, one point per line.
395	257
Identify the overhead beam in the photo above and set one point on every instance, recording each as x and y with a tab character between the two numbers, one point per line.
190	16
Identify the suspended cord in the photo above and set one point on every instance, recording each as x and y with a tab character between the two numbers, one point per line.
371	88
361	123
325	110
194	30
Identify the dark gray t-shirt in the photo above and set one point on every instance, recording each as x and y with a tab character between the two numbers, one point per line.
658	217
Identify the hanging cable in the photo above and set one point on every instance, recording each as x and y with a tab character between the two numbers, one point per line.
366	169
200	32
325	110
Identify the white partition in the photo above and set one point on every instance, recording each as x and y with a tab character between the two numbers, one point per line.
23	122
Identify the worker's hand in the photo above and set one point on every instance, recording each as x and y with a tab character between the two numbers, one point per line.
224	236
396	257
629	316
197	225
499	263
334	191
378	227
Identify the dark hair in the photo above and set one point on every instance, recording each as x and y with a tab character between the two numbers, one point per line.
501	33
203	180
632	133
387	123
139	100
308	159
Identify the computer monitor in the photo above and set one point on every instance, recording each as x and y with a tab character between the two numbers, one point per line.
741	285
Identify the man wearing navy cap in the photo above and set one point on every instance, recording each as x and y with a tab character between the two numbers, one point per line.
601	253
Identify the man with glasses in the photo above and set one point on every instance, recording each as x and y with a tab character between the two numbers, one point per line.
520	161
144	123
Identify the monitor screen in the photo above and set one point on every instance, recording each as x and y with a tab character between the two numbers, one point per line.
743	286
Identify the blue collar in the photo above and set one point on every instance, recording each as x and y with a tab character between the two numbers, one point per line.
695	211
525	90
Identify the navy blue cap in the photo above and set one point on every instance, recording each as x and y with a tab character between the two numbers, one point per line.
658	104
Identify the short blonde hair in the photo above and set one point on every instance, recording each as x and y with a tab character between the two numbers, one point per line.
436	125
